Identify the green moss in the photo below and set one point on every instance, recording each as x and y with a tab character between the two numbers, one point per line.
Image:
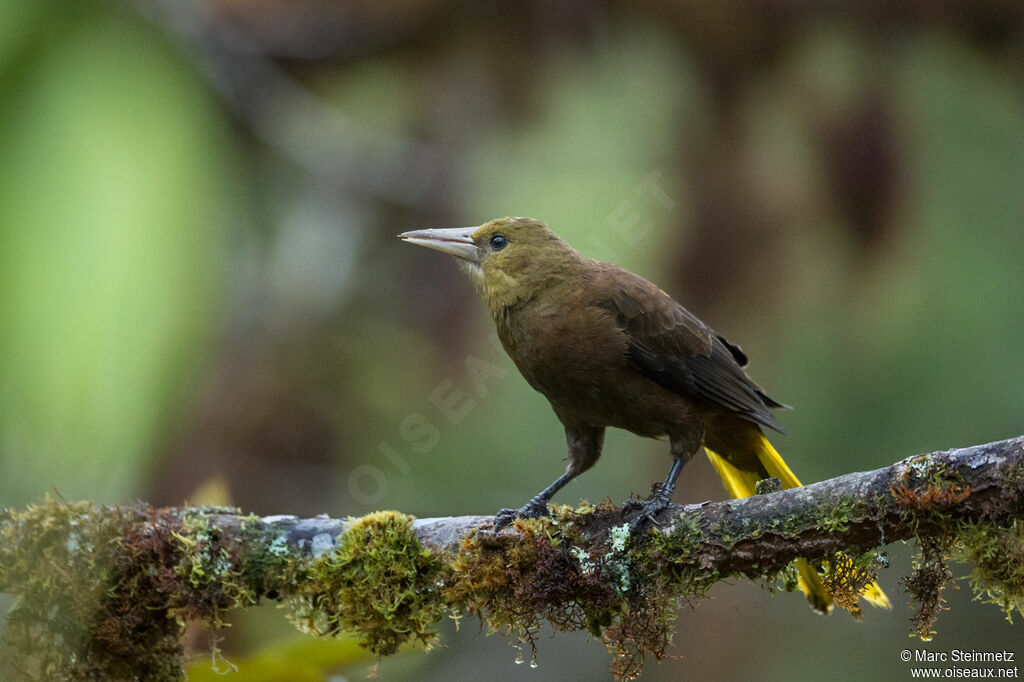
223	571
998	557
930	489
835	517
92	594
515	585
788	579
997	577
378	581
553	573
1014	476
106	593
674	556
48	629
270	568
209	567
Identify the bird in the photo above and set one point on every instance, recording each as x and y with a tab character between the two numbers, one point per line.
608	348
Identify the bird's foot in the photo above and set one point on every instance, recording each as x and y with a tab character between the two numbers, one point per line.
531	510
646	512
633	504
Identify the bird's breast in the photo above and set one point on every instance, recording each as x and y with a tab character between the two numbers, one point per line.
562	348
578	358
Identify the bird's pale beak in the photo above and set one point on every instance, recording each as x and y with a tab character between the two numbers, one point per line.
458	241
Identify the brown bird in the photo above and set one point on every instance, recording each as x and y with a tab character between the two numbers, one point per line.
608	348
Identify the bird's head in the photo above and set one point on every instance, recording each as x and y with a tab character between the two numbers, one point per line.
509	259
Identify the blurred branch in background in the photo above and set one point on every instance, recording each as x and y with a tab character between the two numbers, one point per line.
334	150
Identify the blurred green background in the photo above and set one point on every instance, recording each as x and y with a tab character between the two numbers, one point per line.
199	275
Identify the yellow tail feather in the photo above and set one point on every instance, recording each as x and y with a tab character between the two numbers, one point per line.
874	595
741	483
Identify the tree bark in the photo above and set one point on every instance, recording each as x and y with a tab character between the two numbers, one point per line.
853	512
105	592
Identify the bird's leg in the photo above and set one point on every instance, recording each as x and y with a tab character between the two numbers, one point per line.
536	507
659	500
584	448
682	451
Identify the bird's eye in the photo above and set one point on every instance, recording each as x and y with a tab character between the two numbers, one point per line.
498	242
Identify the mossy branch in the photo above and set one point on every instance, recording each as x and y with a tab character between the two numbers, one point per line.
106	592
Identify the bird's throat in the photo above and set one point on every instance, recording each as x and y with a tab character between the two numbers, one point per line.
498	288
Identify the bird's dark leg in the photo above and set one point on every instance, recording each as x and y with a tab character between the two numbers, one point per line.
682	451
584	448
537	506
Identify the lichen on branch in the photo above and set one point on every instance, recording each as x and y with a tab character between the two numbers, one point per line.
106	592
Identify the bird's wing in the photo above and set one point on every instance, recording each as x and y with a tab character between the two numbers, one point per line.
673	348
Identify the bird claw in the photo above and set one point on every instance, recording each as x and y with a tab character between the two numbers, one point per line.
530	510
648	510
632	505
504	517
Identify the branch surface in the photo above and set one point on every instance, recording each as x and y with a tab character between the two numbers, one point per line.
106	592
853	512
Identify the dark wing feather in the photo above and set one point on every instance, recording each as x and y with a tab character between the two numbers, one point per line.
673	348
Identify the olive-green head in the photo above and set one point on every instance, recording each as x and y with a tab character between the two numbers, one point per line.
510	260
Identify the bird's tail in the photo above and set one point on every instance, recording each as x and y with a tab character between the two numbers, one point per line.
750	456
